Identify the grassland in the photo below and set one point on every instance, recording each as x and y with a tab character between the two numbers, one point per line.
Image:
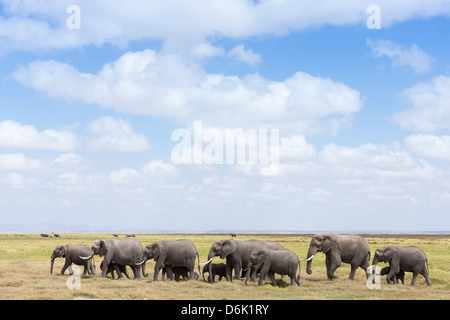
25	272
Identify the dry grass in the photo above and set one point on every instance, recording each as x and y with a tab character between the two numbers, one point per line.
25	272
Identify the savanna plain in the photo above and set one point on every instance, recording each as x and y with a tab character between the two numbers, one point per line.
25	272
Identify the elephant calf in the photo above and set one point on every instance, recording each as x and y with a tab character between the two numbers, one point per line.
117	268
284	262
174	273
409	259
219	269
77	254
399	276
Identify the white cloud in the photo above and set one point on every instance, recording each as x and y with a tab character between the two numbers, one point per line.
125	176
412	57
172	85
17	135
431	106
429	146
32	27
115	135
159	168
247	56
18	162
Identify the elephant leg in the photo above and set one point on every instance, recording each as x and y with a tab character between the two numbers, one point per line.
424	273
332	264
66	265
413	281
84	270
229	270
117	268
158	266
391	276
272	278
137	272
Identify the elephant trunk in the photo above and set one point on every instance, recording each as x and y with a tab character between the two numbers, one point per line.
211	255
311	253
52	261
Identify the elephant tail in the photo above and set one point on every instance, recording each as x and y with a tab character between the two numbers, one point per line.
299	269
198	262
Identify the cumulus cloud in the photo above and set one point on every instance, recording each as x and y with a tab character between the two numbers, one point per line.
110	134
27	26
170	85
18	162
429	146
431	106
247	56
17	135
412	57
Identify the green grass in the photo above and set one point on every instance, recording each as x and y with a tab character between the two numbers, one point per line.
25	272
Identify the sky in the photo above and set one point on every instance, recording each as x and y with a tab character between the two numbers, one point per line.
232	115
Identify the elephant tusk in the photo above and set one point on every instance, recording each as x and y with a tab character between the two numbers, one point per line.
139	263
307	259
203	264
86	258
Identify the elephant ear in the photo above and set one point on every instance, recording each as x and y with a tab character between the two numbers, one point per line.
102	251
157	250
329	243
263	256
389	254
228	247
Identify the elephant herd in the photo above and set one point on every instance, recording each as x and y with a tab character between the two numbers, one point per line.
247	258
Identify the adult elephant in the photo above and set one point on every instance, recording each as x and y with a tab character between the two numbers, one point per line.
236	253
121	252
409	259
338	248
179	253
77	254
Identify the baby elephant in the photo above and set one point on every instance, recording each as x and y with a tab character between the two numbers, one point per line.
115	267
399	276
409	259
174	273
284	262
219	269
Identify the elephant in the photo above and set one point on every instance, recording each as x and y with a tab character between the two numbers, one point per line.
219	269
122	252
284	262
113	267
77	254
338	248
409	259
174	273
179	253
399	276
237	254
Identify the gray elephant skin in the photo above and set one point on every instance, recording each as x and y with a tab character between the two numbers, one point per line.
127	252
219	269
178	253
236	253
399	276
174	273
338	248
283	262
407	259
114	267
77	254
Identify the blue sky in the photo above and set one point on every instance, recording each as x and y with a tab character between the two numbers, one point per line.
87	115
